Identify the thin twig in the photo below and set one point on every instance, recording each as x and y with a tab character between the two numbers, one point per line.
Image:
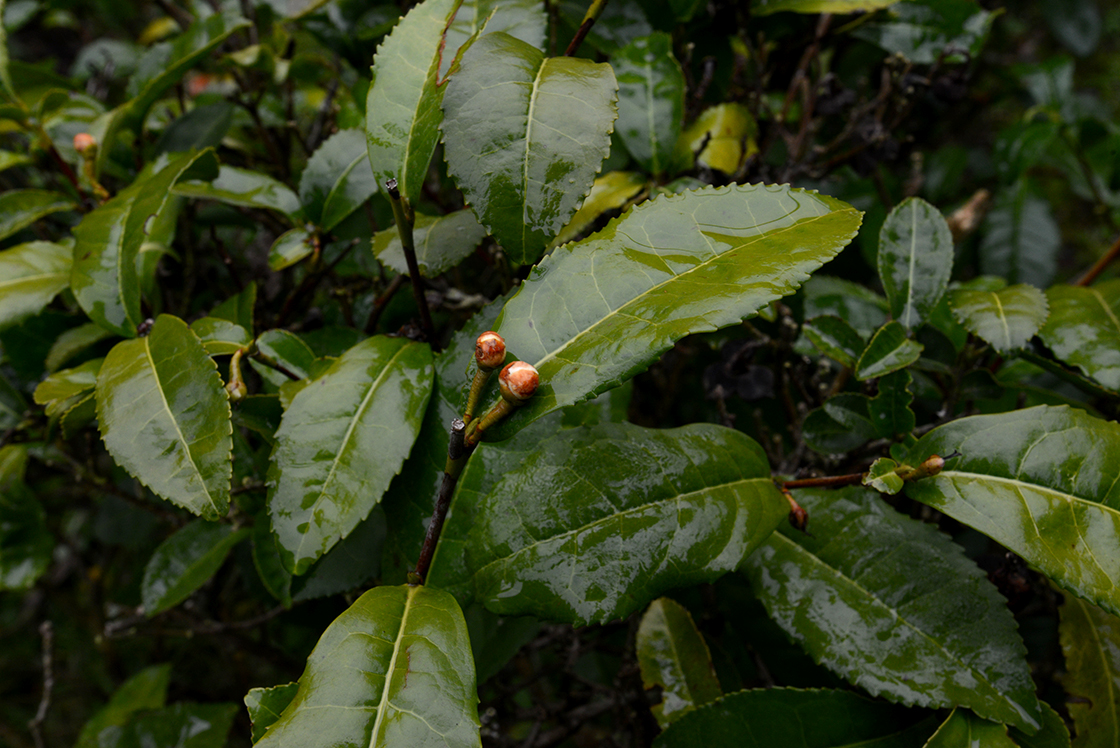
381	302
1099	266
457	455
589	18
46	630
404	218
828	481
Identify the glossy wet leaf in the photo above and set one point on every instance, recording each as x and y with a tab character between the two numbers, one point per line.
882	477
963	729
403	104
650	100
1091	644
928	30
524	136
835	338
31	275
74	341
1052	734
878	598
220	337
145	690
290	247
104	278
182	725
288	350
889	350
673	656
79	415
337	179
342	439
841	424
244	187
611	191
67	383
266	704
915	260
721	138
266	559
1083	329
1020	239
619	514
795	718
26	544
394	669
1006	318
186	561
21	208
1043	482
164	416
890	409
598	311
441	242
524	19
353	562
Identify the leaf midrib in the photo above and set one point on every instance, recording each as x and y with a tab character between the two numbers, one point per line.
528	145
383	703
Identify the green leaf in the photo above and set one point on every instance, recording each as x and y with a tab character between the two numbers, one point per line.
876	597
12	405
721	138
26	545
441	242
220	337
1005	319
857	305
650	100
164	417
915	260
341	441
337	179
354	561
882	477
21	208
793	718
610	192
963	729
249	189
889	350
600	521
1020	238
145	690
288	350
1052	734
182	725
69	383
291	247
524	136
202	127
394	669
238	309
1091	644
841	424
8	159
266	704
1044	483
74	341
31	275
890	409
1077	25
926	31
598	311
266	558
403	104
7	90
1084	329
78	416
104	277
523	19
184	562
672	655
835	338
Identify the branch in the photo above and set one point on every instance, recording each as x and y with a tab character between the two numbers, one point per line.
1092	273
46	630
589	18
403	214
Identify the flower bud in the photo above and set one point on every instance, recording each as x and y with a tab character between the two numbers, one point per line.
517	382
489	351
85	144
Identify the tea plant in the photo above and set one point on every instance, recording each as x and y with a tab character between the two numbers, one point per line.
625	466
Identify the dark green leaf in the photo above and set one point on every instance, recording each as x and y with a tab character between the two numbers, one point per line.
1006	318
1084	329
1091	644
201	127
184	562
275	578
238	309
1053	733
12	404
523	19
610	192
7	90
915	260
31	275
266	704
337	179
250	189
496	639
394	669
889	350
165	418
288	350
341	441
74	341
8	159
25	543
650	100
21	208
145	690
841	424
354	561
441	242
878	598
181	725
1077	24
598	311
219	336
290	247
1021	238
600	521
857	305
890	409
672	655
1044	483
793	718
104	277
963	729
835	338
928	31
524	136
78	416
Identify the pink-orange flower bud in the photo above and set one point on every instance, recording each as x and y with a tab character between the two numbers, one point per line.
517	382
489	351
85	144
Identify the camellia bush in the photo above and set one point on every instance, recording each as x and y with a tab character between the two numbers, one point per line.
522	373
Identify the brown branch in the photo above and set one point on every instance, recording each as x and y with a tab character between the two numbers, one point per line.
589	18
404	218
828	481
457	455
1099	266
381	302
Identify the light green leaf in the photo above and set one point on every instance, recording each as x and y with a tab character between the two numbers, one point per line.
288	350
1021	239
104	277
650	100
441	242
164	416
721	138
882	476
266	704
342	439
337	179
600	521
1044	482
889	350
184	562
21	208
610	192
835	338
876	597
524	136
1084	329
31	275
219	336
963	729
145	690
8	159
1006	319
522	19
598	311
915	260
249	189
1091	643
69	383
75	340
928	31
841	424
672	655
766	7
290	247
403	104
793	718
394	670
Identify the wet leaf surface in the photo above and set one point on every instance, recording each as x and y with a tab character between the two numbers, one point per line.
915	260
1084	329
673	656
1005	318
186	561
1091	644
